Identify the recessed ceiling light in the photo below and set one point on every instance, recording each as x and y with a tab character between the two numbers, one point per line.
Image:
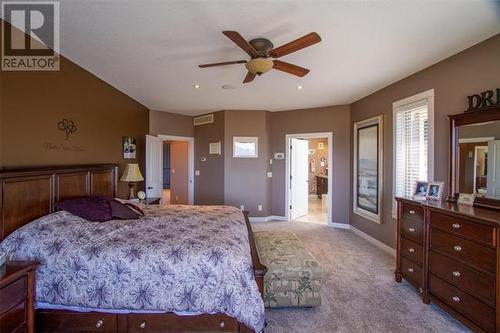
299	87
196	86
228	87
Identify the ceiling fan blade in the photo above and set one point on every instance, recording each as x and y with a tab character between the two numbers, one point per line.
241	42
298	44
289	68
249	78
223	63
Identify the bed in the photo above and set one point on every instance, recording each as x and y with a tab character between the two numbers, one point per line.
209	279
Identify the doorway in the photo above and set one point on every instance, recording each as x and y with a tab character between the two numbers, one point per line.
309	177
170	169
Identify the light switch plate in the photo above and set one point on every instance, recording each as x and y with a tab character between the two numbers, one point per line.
197	172
279	156
269	174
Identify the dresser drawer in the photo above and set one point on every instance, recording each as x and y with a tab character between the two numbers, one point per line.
412	251
76	322
13	319
477	311
413	230
164	323
12	294
412	212
411	271
469	252
473	231
477	284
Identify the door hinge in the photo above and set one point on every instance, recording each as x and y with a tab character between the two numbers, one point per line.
290	206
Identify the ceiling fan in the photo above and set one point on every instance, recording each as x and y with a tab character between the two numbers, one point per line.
261	49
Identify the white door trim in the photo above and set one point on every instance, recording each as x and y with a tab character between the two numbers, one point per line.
190	141
318	135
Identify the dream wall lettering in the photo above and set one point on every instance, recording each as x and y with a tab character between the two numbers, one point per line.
484	100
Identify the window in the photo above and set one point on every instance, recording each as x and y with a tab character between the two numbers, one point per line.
245	147
413	139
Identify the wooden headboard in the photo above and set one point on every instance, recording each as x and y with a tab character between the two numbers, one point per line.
27	194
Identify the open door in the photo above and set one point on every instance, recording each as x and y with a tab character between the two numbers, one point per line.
299	177
154	166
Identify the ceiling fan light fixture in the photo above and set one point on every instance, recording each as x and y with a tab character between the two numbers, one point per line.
259	65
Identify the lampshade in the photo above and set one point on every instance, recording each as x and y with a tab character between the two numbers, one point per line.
259	65
132	173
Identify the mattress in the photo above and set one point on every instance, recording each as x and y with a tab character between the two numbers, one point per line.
182	259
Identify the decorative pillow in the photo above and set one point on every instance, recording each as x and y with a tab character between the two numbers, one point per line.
124	211
95	209
100	209
134	207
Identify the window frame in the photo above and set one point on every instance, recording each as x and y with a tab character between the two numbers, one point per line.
397	106
246	139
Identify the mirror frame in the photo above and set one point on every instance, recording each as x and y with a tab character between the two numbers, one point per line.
457	120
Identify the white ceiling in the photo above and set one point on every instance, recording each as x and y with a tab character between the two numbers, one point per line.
150	49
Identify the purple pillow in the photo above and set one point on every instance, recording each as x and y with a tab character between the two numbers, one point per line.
99	209
95	209
122	211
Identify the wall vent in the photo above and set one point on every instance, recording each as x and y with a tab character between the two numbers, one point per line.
202	120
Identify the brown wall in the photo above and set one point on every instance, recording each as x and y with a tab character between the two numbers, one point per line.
32	104
167	123
328	119
179	180
473	70
209	185
245	180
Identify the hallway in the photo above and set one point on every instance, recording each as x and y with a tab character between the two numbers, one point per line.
318	212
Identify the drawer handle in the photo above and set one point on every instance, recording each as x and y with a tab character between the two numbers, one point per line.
411	270
456	226
456	274
222	324
99	323
411	229
142	324
457	248
456	299
411	250
412	212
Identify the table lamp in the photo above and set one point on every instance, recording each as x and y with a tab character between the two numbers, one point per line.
131	175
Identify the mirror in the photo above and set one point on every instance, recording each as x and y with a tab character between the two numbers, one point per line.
478	159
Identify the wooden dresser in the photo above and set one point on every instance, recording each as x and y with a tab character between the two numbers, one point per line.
450	253
321	185
17	290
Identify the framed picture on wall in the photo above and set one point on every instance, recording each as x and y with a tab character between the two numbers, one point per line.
368	168
129	147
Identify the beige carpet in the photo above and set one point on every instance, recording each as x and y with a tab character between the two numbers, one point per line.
358	293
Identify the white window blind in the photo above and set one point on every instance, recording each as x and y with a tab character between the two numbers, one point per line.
411	140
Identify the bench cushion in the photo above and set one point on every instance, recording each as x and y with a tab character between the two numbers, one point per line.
293	275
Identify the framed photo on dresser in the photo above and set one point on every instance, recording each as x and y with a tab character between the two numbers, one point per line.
368	168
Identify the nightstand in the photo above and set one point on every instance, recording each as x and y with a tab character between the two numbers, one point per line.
17	295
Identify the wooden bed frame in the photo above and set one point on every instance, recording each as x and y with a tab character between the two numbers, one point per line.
27	194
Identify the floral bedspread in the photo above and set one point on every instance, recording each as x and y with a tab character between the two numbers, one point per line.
175	258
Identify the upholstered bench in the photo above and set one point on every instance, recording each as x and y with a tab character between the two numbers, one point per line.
293	275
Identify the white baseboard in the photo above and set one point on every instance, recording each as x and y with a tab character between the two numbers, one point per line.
374	241
267	218
340	225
